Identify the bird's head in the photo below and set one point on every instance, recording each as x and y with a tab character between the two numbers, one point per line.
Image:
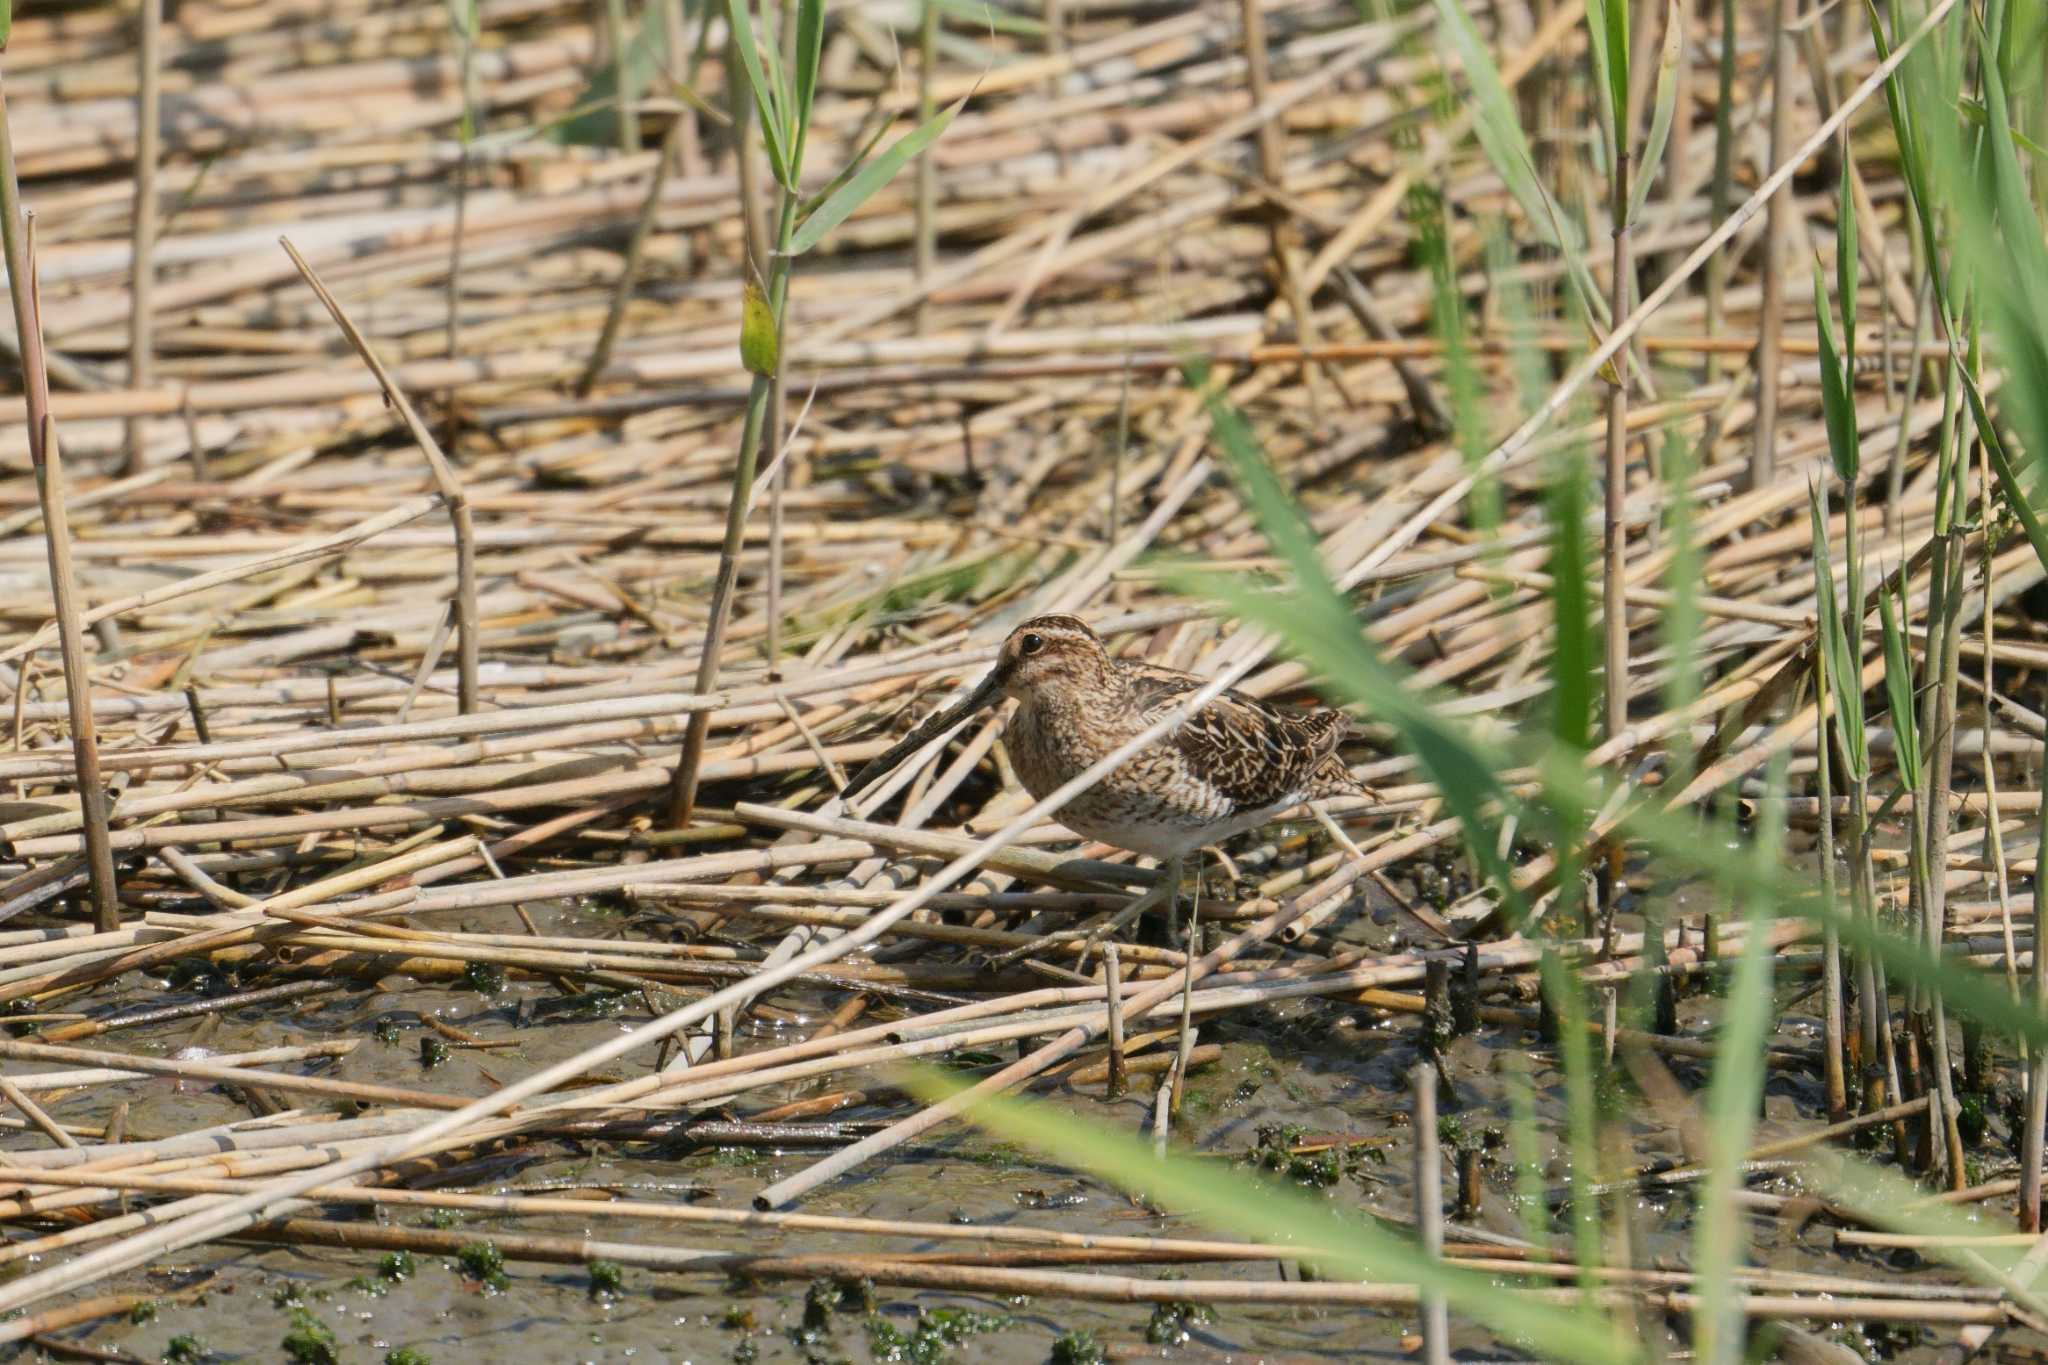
1046	650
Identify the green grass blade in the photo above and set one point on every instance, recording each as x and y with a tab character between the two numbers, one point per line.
1610	56
1241	1203
1845	271
2014	262
1898	687
1844	671
2008	477
1617	65
1582	1111
1318	627
810	41
1464	386
1668	58
1838	404
1973	112
1890	1201
1732	1098
1525	1140
1575	661
989	17
862	185
1679	626
768	102
1500	136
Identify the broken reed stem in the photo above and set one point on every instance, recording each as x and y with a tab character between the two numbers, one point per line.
1113	985
142	261
1429	1210
636	251
18	234
445	484
33	1112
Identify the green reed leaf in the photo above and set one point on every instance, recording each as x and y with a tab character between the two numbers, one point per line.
1669	55
1249	1206
989	18
1732	1098
1844	670
862	185
1499	131
1838	403
1958	1236
810	41
1898	688
1575	661
768	98
1318	627
1582	1110
1845	268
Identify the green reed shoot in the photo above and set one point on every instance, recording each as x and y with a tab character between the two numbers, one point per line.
782	103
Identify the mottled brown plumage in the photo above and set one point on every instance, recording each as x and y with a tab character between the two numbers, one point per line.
1231	766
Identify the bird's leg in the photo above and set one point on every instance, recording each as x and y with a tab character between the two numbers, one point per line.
1165	892
1088	938
1187	988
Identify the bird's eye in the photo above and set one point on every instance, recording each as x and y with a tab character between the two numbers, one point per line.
1031	644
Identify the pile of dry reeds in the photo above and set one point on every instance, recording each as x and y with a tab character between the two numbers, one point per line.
391	558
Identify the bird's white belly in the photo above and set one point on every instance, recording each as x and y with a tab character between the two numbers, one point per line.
1165	834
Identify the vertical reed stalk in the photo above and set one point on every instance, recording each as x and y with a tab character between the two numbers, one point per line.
1718	194
1938	704
1987	545
1614	539
1831	949
463	15
1113	985
18	238
1944	647
1429	1211
1764	436
1879	1073
1281	234
778	421
927	186
754	433
2037	1072
142	267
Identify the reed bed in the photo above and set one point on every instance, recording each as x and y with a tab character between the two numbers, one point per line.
456	632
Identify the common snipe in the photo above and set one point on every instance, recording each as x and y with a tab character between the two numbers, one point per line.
1231	766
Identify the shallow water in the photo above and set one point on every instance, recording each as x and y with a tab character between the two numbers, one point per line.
1324	1066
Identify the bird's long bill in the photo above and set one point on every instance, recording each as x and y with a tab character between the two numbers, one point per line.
988	691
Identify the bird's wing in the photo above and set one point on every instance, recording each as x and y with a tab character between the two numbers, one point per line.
1254	754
